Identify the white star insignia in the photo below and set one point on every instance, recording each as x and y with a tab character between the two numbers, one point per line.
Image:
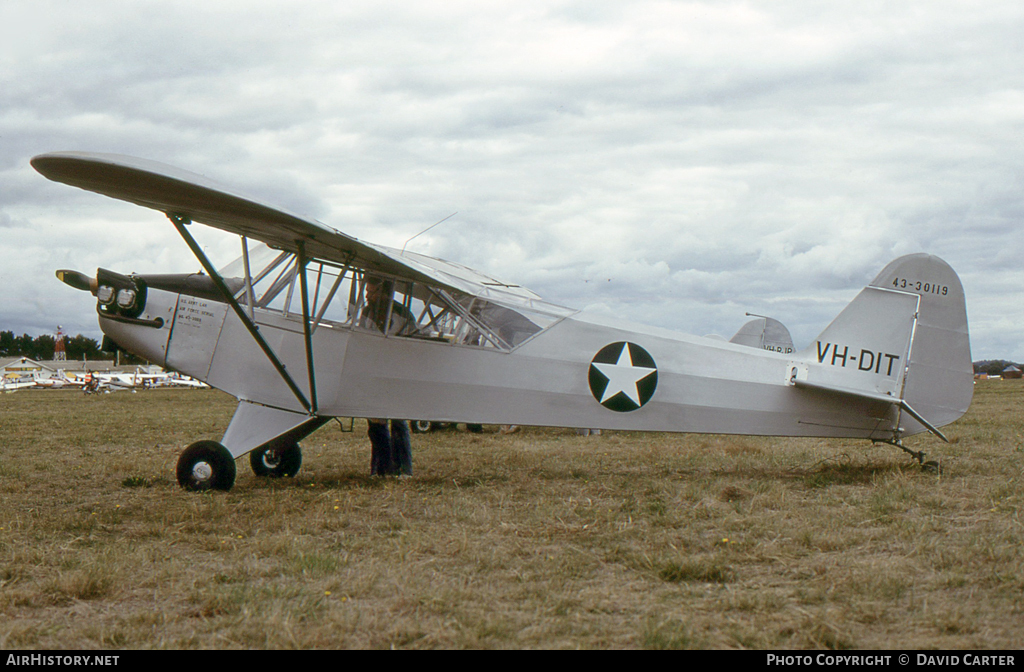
623	376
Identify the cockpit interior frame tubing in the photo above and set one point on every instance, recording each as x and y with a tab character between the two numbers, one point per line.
485	331
179	223
330	295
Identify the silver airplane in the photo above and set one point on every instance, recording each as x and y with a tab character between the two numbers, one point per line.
311	324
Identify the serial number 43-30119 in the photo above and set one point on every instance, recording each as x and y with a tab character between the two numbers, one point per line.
923	287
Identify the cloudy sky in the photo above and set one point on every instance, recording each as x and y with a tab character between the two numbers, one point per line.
673	163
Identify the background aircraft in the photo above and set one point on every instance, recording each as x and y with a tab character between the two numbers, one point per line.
19	383
312	324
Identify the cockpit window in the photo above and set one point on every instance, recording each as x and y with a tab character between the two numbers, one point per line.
347	297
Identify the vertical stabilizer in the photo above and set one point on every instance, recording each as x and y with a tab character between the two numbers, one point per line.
903	338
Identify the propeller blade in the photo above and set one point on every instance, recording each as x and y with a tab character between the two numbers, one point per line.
77	280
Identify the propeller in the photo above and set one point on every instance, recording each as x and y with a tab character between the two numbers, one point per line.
77	280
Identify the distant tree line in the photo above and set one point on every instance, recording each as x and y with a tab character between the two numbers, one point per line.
41	347
994	367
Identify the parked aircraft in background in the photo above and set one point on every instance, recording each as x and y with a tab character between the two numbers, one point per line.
19	383
145	381
313	324
58	381
101	381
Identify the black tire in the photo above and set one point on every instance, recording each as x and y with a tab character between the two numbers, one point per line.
276	463
421	426
206	465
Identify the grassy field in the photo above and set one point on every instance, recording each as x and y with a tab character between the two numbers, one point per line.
541	539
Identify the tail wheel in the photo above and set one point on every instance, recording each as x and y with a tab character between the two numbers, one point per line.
421	426
276	462
206	465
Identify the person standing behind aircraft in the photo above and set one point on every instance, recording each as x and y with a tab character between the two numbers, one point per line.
390	451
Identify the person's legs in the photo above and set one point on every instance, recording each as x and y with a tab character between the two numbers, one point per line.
401	448
380	447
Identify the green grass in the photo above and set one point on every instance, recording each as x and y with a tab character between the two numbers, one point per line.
541	539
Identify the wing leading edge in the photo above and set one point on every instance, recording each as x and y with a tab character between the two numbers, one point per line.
181	193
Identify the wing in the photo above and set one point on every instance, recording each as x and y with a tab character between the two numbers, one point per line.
181	193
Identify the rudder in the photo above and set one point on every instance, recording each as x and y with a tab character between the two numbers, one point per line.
940	378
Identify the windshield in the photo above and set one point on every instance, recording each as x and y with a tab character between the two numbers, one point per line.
340	296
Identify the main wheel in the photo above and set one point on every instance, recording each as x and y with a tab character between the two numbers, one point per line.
421	426
206	465
276	462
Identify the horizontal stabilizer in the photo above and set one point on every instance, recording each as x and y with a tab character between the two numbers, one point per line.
884	398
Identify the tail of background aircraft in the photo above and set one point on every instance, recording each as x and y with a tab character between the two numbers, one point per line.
902	340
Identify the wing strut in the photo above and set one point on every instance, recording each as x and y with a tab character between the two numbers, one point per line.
250	300
179	223
301	254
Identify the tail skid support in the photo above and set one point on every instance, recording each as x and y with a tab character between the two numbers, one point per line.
919	455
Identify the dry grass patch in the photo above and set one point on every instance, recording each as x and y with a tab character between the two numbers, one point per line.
537	539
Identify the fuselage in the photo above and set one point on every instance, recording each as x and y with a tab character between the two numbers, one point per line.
688	384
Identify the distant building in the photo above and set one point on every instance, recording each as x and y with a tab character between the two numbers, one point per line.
16	367
1012	372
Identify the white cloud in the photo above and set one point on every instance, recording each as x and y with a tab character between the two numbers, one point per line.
672	162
